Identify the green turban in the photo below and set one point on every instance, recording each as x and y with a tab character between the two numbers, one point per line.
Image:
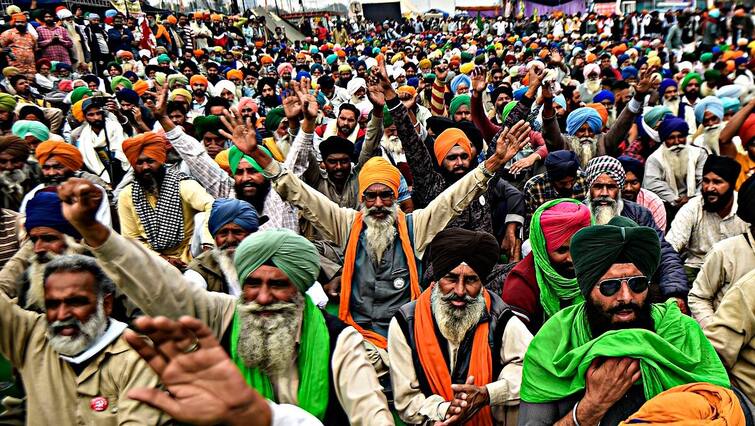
706	57
507	110
7	102
160	78
655	115
120	80
207	123
712	75
689	77
289	252
596	248
466	56
177	80
458	101
235	156
273	118
387	119
78	94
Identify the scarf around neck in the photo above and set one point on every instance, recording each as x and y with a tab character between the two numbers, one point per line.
676	353
163	224
313	362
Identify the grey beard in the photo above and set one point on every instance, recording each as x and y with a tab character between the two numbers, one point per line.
269	343
586	149
454	323
89	332
380	233
392	144
228	268
603	214
677	158
11	180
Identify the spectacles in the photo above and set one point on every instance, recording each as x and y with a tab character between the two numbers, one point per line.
373	195
612	286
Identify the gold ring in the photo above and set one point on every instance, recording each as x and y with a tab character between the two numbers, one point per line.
193	347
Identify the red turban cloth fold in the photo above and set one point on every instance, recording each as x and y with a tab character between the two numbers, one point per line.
747	131
66	154
379	170
150	144
560	222
448	139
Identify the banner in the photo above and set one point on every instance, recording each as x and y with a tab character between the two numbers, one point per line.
127	7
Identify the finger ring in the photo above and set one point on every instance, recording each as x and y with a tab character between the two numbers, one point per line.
193	347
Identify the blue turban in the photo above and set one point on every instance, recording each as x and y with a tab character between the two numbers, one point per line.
413	81
295	255
633	165
560	164
628	72
316	67
604	95
583	115
45	210
519	93
24	128
665	84
461	78
227	210
128	95
302	74
709	103
672	124
560	100
731	104
621	58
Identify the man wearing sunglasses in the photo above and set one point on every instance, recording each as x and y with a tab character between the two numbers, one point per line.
582	366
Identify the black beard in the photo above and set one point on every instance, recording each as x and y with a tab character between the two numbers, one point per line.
56	179
199	92
150	182
21	28
346	131
723	200
99	124
691	94
258	201
450	177
600	321
271	101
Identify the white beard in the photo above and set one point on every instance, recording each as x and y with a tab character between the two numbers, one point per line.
593	86
379	233
35	295
586	151
603	214
269	343
393	145
228	268
672	105
89	332
710	138
677	160
454	323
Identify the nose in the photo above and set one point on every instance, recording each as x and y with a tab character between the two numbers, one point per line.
379	202
264	296
60	313
624	295
39	247
459	289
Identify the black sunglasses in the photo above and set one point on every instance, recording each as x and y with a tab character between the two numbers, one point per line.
372	195
612	286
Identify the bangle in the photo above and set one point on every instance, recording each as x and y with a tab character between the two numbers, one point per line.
574	414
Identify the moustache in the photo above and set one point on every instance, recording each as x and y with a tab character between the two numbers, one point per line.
279	307
604	199
677	148
378	210
453	297
57	326
623	307
711	194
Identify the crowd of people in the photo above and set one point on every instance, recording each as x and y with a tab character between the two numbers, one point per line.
524	220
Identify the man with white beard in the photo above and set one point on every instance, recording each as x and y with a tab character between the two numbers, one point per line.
669	92
287	349
50	236
674	171
591	86
231	220
709	113
462	386
75	367
605	178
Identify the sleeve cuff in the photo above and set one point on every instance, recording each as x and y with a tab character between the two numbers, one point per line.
498	392
514	218
393	103
443	410
174	133
634	105
109	249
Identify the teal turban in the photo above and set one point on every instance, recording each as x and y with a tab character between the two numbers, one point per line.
596	248
120	80
273	119
24	128
458	101
289	252
655	115
235	156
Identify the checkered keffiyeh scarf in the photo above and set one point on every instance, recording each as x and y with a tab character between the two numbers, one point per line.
608	165
163	224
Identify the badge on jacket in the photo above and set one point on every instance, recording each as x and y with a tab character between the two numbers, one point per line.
98	403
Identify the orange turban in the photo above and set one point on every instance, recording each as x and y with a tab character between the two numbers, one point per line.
150	144
223	161
379	170
171	19
198	78
407	89
602	111
449	139
17	16
235	73
198	15
618	50
591	57
198	53
730	66
66	154
266	59
140	87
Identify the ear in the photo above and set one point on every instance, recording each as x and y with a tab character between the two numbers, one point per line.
107	303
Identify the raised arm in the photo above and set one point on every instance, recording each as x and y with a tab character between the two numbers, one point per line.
732	128
479	117
624	121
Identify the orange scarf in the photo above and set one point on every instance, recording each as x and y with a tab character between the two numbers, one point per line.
434	365
344	313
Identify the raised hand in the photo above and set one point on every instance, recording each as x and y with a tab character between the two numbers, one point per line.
161	103
511	142
479	79
536	76
80	201
204	386
647	79
441	72
408	100
291	102
243	134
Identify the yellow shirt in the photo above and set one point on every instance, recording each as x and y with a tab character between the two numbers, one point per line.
748	168
194	199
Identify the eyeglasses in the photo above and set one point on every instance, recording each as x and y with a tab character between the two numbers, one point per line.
612	286
373	195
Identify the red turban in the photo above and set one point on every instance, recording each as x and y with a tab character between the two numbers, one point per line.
150	144
747	131
66	154
449	139
562	221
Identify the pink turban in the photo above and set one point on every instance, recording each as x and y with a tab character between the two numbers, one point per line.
591	68
247	102
282	68
562	221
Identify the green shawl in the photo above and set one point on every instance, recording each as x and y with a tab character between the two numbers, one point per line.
313	363
553	287
676	353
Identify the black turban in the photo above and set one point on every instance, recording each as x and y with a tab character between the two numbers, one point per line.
632	165
596	248
746	201
560	164
725	167
453	246
336	145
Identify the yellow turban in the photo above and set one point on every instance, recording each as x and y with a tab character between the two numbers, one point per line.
379	170
467	68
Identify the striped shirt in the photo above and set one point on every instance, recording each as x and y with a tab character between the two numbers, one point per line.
8	235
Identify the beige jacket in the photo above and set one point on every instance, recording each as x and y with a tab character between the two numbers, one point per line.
732	332
55	395
160	289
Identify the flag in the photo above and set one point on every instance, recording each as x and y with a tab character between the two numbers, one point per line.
148	41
